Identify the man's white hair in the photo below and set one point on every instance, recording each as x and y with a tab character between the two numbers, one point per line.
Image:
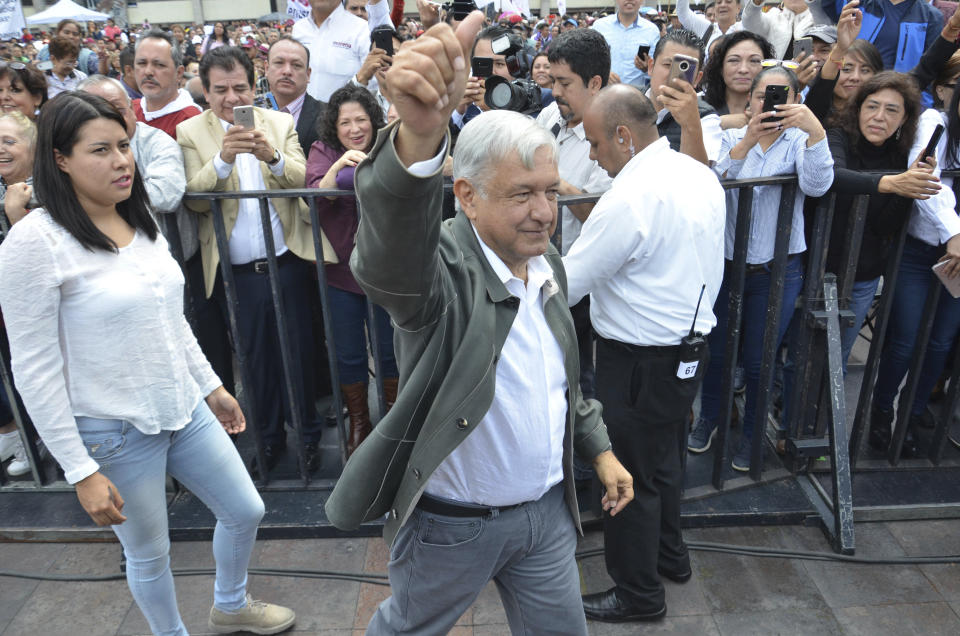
99	80
491	138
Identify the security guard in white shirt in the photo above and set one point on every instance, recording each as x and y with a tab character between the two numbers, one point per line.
649	254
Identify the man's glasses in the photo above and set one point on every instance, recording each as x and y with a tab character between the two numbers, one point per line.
790	64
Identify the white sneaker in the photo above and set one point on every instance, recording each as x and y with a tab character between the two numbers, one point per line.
8	443
20	464
257	617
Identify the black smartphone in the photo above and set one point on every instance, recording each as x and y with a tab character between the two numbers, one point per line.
383	40
775	94
482	67
643	50
462	8
931	149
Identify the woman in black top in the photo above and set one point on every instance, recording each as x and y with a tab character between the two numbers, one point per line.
876	131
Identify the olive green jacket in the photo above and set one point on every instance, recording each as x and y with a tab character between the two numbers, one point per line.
451	316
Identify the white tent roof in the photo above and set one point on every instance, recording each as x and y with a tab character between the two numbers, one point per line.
66	9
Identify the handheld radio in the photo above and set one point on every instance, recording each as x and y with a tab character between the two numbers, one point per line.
691	347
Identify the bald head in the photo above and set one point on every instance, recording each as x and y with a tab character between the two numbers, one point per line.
626	105
619	123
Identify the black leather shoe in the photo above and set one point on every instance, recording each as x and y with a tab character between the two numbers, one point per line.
610	608
911	444
676	577
272	454
878	437
312	450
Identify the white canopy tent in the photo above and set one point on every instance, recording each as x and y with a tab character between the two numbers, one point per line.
65	9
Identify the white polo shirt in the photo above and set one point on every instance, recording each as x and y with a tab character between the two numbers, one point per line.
337	49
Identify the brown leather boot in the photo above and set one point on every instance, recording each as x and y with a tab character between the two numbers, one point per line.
355	396
390	392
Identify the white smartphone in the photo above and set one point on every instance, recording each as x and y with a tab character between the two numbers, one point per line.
952	284
243	116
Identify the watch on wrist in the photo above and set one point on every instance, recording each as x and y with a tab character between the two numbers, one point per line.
276	158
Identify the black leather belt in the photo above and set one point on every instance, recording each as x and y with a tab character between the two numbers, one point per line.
446	508
261	266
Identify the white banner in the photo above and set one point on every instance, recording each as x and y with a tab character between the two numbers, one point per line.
297	9
561	7
11	19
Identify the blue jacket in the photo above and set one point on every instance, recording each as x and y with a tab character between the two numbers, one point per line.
920	27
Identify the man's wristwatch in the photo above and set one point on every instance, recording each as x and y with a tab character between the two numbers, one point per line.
276	158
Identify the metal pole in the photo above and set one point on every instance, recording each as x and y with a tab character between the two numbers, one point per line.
375	350
735	284
292	381
233	309
771	330
328	327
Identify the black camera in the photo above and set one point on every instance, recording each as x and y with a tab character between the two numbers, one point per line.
460	8
520	95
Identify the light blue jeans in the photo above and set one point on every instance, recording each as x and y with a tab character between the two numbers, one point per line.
202	458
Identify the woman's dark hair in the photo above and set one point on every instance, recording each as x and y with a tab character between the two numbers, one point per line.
59	128
327	126
716	88
849	118
868	53
953	132
225	38
29	78
783	72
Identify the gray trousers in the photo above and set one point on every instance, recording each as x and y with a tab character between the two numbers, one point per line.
439	565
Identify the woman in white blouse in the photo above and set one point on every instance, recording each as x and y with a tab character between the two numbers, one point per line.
111	373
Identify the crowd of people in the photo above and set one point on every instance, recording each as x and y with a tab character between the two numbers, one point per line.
503	320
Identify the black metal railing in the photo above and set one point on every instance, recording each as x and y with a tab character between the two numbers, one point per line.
816	427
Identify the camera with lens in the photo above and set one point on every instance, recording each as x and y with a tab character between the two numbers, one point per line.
519	94
460	8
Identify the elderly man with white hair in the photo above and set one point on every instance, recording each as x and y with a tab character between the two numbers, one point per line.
473	466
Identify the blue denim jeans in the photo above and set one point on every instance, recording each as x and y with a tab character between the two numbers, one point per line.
348	312
909	298
202	458
861	298
755	295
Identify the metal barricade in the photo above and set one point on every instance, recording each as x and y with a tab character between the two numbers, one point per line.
816	428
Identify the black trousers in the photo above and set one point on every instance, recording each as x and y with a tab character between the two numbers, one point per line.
645	407
209	324
259	337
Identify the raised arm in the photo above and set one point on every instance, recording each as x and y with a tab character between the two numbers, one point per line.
396	259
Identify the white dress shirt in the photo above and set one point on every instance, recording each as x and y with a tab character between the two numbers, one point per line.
515	454
576	168
246	239
97	334
934	220
337	49
699	24
648	246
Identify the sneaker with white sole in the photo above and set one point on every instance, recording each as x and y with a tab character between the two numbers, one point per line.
701	436
257	617
741	460
20	464
8	444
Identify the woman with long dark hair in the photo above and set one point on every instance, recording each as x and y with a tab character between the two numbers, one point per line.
347	130
217	38
933	235
109	369
730	70
795	144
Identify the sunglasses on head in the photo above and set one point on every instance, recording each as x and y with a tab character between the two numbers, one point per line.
790	64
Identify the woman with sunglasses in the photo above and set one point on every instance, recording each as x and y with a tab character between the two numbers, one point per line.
730	71
785	142
23	88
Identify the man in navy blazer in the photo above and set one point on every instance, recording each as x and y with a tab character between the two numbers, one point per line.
288	72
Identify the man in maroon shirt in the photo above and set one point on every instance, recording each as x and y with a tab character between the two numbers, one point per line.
158	67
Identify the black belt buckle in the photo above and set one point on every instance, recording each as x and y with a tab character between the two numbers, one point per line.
261	267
